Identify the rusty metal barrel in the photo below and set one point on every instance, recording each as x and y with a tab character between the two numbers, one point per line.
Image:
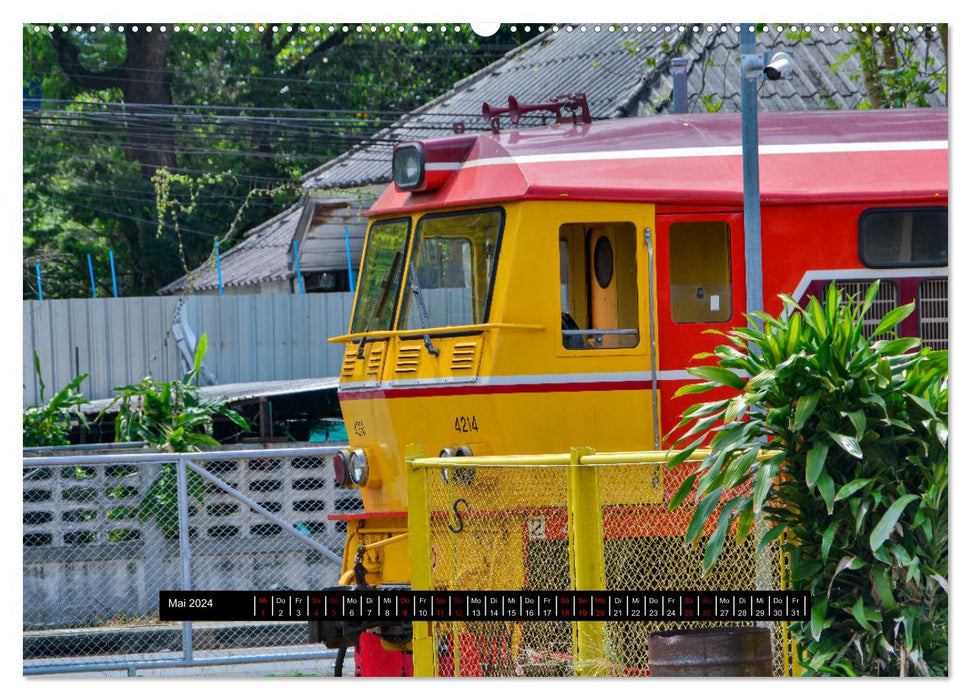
720	651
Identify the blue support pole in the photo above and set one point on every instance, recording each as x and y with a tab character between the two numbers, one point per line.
219	269
94	292
750	175
296	260
350	268
114	280
40	287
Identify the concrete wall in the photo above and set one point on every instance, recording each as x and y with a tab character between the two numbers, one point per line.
89	559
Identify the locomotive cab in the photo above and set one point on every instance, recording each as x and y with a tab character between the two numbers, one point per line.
525	292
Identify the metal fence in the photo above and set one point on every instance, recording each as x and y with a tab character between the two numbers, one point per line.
103	534
251	337
581	521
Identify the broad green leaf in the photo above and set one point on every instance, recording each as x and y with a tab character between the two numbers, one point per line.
817	618
871	294
883	529
858	419
764	479
682	491
893	317
881	582
860	616
827	489
698	388
804	408
718	375
200	353
849	444
771	536
704	510
745	518
852	487
685	453
897	346
827	539
717	542
816	461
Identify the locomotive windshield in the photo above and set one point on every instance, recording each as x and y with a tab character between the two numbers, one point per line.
381	276
454	259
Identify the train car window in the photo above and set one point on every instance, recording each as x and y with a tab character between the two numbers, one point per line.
381	275
701	275
598	286
903	237
454	261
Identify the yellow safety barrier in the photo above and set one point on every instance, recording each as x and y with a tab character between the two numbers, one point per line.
574	521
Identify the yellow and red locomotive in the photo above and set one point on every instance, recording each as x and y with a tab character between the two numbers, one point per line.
524	291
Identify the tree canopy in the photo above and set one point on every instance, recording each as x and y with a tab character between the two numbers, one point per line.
234	114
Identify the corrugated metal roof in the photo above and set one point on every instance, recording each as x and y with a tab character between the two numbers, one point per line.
263	255
244	390
623	73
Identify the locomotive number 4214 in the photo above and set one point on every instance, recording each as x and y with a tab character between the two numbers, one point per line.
466	424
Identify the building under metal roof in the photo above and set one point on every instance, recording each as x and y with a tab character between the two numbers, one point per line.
261	262
627	74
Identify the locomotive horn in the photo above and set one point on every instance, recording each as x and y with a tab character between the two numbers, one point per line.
516	110
489	112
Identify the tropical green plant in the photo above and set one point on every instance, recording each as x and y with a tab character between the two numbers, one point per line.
49	423
852	483
173	417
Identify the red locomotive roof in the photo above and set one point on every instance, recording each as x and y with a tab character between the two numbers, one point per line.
833	156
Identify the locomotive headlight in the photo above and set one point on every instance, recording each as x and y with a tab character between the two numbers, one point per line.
446	452
464	475
341	467
358	468
408	166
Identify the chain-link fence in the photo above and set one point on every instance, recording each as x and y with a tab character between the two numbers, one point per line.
103	535
601	524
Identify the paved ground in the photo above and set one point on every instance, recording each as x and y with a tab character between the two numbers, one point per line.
280	669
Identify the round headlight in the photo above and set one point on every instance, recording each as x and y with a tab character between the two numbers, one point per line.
341	473
358	468
447	452
464	475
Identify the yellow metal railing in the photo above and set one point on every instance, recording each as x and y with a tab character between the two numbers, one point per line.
580	520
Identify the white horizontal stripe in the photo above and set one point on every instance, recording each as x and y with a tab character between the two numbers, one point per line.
442	166
714	151
528	380
866	273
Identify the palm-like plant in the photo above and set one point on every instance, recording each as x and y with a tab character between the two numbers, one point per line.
855	487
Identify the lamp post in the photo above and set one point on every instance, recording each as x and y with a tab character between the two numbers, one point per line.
752	214
755	66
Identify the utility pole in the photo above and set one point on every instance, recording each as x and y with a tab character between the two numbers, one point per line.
752	213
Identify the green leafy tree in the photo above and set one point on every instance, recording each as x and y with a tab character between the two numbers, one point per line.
173	417
855	483
234	117
49	423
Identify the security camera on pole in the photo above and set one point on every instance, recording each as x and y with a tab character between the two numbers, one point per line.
772	65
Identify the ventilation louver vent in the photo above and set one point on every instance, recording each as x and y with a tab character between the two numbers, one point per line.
932	305
465	357
887	299
408	359
375	361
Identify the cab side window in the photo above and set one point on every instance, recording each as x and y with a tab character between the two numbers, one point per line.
598	285
700	264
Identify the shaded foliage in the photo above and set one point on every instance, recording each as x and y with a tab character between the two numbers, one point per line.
854	486
232	112
49	422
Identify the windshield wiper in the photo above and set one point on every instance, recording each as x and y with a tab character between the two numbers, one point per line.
382	301
422	312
